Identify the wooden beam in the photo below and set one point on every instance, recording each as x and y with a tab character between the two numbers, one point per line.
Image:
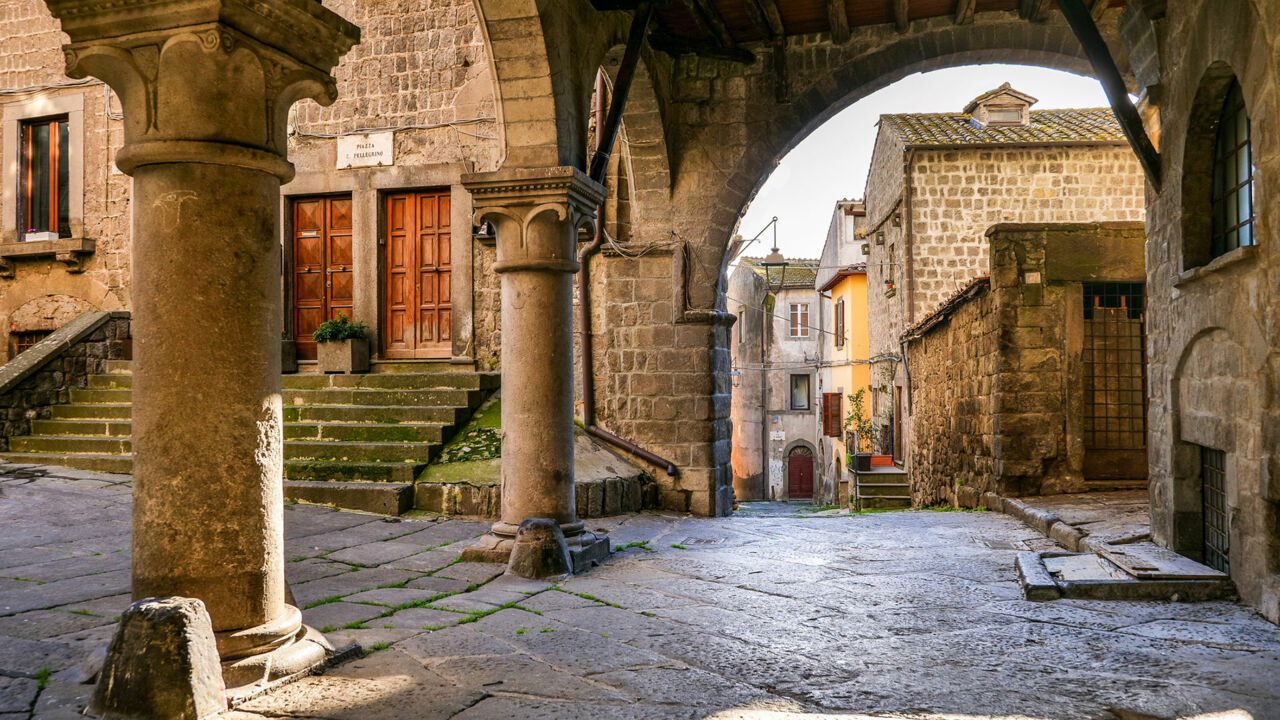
901	15
1098	8
1034	10
772	17
606	135
838	17
1104	68
710	22
781	85
675	47
964	11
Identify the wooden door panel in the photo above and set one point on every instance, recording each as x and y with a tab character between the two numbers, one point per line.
322	266
416	304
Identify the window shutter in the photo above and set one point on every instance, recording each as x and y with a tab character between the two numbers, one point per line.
831	414
840	323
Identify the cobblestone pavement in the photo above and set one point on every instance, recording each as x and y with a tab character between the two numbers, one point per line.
772	613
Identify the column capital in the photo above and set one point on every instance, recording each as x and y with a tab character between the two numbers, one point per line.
207	81
537	212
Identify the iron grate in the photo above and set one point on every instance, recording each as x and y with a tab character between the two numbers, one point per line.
1217	536
1115	391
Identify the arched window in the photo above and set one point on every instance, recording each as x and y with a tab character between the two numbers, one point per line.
1232	203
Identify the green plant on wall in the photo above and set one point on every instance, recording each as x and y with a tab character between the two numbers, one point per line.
860	422
339	328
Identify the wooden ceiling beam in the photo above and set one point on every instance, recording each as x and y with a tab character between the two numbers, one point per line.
965	10
1098	8
710	22
901	15
838	16
676	47
772	17
1035	10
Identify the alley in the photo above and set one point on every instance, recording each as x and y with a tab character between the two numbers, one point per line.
774	610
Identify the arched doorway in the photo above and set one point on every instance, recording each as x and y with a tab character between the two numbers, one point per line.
800	473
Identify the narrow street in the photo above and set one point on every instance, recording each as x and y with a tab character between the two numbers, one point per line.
772	612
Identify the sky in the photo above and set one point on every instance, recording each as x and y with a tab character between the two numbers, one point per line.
831	163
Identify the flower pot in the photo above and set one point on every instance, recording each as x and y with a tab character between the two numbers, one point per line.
288	356
343	356
878	460
862	462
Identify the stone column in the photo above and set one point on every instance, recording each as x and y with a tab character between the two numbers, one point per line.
206	86
536	215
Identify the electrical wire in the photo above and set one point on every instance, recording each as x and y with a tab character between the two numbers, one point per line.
781	317
431	126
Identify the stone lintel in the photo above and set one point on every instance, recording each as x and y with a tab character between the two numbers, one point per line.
302	29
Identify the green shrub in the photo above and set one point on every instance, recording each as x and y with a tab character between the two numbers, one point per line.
340	328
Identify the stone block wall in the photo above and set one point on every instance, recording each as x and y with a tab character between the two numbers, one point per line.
44	375
31	71
1213	326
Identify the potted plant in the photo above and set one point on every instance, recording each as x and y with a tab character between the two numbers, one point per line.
864	431
341	346
288	354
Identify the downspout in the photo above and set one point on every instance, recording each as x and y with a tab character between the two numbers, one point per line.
907	250
606	134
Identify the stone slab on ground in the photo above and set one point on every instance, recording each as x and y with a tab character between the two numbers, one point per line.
764	615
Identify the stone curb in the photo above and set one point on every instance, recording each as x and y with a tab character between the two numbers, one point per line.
1041	520
1052	526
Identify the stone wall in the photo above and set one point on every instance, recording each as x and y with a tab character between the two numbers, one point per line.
31	73
1213	327
997	391
44	375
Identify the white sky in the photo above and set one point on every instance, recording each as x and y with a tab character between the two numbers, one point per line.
831	163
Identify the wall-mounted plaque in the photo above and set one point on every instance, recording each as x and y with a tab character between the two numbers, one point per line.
366	150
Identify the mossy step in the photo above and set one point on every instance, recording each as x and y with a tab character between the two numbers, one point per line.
116	411
94	463
343	396
119	367
386	415
69	445
393	381
100	397
884	490
364	432
331	471
117	381
109	427
387	452
385	498
884	503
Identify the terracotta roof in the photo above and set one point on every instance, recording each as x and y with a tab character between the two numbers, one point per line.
966	293
1045	126
842	273
800	272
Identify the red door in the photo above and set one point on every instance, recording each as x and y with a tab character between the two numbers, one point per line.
418	307
322	277
800	474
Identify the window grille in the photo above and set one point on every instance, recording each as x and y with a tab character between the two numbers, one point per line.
1233	170
25	340
1217	536
1115	392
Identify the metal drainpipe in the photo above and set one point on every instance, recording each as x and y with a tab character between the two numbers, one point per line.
606	132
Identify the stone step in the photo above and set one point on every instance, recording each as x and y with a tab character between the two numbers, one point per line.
384	415
70	445
885	502
334	432
106	411
119	367
386	498
327	396
884	490
415	381
380	452
95	463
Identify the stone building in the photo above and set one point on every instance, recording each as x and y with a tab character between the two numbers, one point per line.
1032	381
776	398
844	347
939	181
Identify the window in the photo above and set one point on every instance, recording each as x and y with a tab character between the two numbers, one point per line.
45	195
799	320
1232	203
1217	534
1004	115
799	392
840	323
831	414
25	340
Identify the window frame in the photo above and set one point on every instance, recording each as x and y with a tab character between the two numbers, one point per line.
791	391
798	320
12	115
839	322
56	161
1227	223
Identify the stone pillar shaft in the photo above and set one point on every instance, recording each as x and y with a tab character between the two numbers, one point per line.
537	215
206	86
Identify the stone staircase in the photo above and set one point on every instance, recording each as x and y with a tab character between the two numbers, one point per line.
883	488
358	441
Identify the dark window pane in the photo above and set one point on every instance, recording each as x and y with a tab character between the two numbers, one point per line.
38	190
64	180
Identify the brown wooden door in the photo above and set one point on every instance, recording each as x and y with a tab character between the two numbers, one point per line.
322	275
418	310
800	474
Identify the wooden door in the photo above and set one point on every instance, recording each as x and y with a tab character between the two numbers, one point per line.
322	274
417	309
800	474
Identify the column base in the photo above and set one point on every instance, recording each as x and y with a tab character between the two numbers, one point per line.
307	651
586	549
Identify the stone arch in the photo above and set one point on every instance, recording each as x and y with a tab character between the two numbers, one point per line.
30	290
799	447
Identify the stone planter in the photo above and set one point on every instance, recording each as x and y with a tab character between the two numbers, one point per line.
343	356
288	356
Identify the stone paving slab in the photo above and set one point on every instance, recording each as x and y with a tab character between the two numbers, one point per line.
769	615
